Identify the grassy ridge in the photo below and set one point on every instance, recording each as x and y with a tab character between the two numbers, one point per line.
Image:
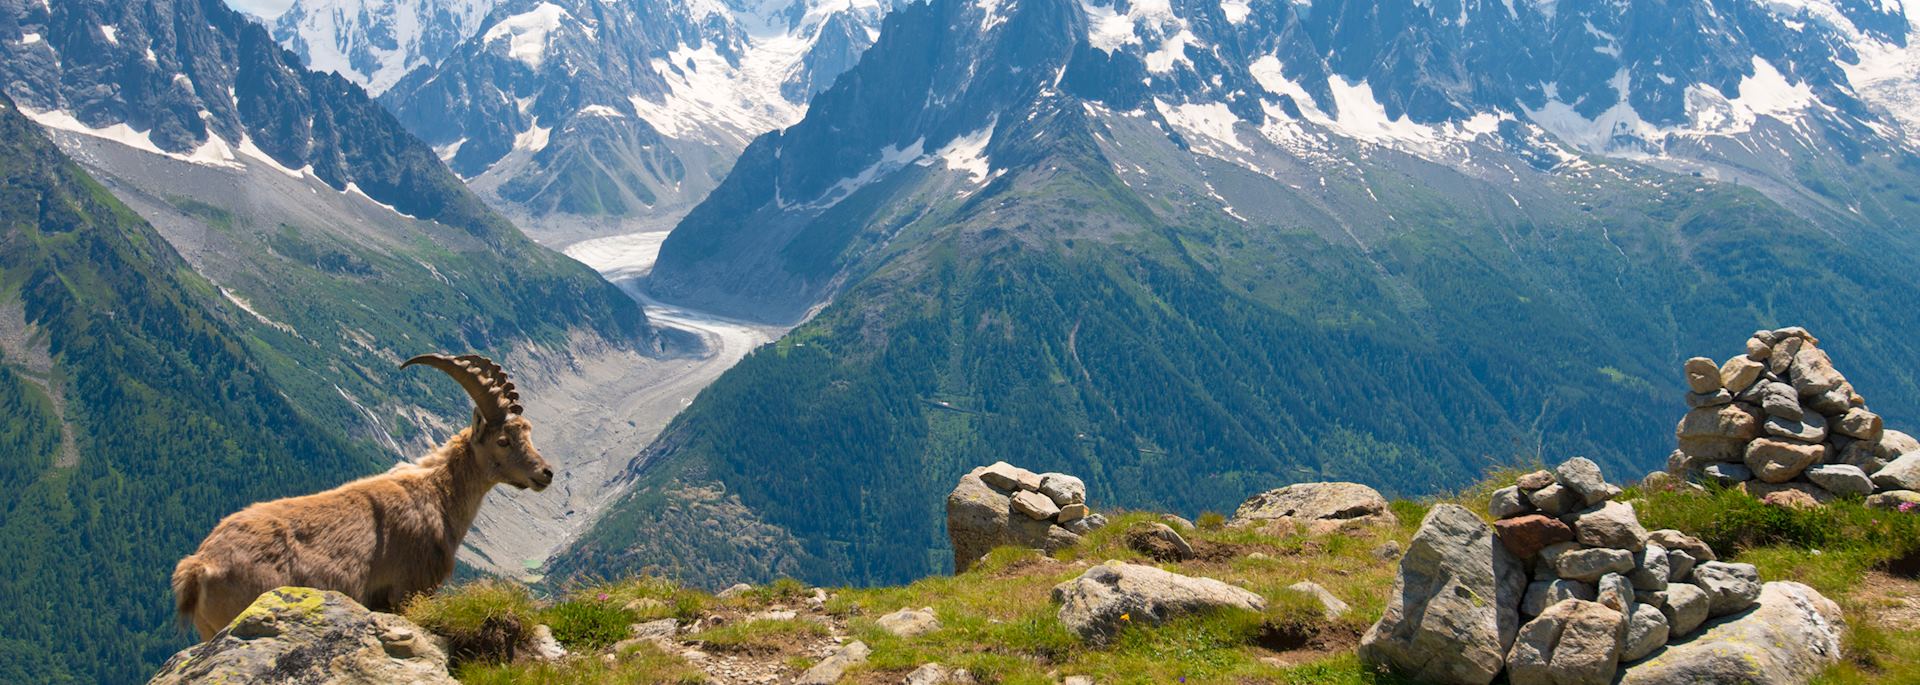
998	622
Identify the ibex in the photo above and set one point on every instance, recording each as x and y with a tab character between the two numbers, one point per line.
380	539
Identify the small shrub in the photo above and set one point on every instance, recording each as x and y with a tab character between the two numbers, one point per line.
784	589
483	621
589	621
1211	520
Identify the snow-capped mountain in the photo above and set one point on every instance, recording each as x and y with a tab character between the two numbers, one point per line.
1200	248
1791	98
625	110
375	42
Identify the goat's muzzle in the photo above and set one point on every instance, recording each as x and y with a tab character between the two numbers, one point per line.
542	479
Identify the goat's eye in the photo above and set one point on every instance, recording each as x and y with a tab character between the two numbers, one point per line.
503	442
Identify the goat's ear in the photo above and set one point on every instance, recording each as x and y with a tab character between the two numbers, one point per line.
480	426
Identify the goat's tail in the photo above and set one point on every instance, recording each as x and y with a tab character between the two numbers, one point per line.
186	585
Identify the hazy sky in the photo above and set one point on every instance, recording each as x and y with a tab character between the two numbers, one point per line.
264	8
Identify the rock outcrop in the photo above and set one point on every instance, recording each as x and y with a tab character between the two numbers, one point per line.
1317	507
1096	605
1605	593
1004	504
303	635
1781	423
1791	635
1454	608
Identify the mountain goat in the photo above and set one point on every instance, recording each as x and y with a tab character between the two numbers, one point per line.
380	539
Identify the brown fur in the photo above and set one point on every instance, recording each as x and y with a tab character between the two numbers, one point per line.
379	540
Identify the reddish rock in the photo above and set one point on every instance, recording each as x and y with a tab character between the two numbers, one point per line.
1525	536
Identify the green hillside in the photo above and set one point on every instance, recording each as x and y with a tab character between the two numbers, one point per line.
1177	359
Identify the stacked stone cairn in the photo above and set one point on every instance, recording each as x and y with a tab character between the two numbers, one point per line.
1566	587
1779	422
1004	504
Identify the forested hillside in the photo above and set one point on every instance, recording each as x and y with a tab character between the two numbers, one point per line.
173	423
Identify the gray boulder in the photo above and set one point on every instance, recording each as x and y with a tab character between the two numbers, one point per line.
1330	606
1454	608
1508	502
1545	593
1728	474
835	666
1717	433
1679	565
1613	525
1730	587
1572	643
1778	399
1779	461
1086	524
1809	428
1702	375
1788	639
1740	372
1651	569
1008	478
1614	592
1675	540
1035	505
1063	489
1092	605
1158	541
1686	608
1555	499
303	635
1646	632
1813	372
1859	424
1841	479
1892	499
1592	563
909	622
1582	476
1716	398
1872	455
1900	474
1317	507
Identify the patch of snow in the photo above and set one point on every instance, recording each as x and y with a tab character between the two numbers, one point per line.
1236	10
354	189
29	38
1107	30
600	111
968	153
112	35
534	139
334	34
1207	122
527	34
1172	51
717	102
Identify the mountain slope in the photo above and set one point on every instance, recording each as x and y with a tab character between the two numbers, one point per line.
1190	251
375	42
331	245
604	113
137	417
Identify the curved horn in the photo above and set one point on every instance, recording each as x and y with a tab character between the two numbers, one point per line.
502	385
472	378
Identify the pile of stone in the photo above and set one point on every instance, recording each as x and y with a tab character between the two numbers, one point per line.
1567	587
1779	422
1004	504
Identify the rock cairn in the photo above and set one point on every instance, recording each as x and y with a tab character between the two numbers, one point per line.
1566	587
1781	423
1004	504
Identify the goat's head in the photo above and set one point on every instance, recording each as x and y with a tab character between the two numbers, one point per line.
501	439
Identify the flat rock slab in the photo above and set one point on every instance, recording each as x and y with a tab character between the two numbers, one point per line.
1110	596
1787	639
1316	505
303	635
